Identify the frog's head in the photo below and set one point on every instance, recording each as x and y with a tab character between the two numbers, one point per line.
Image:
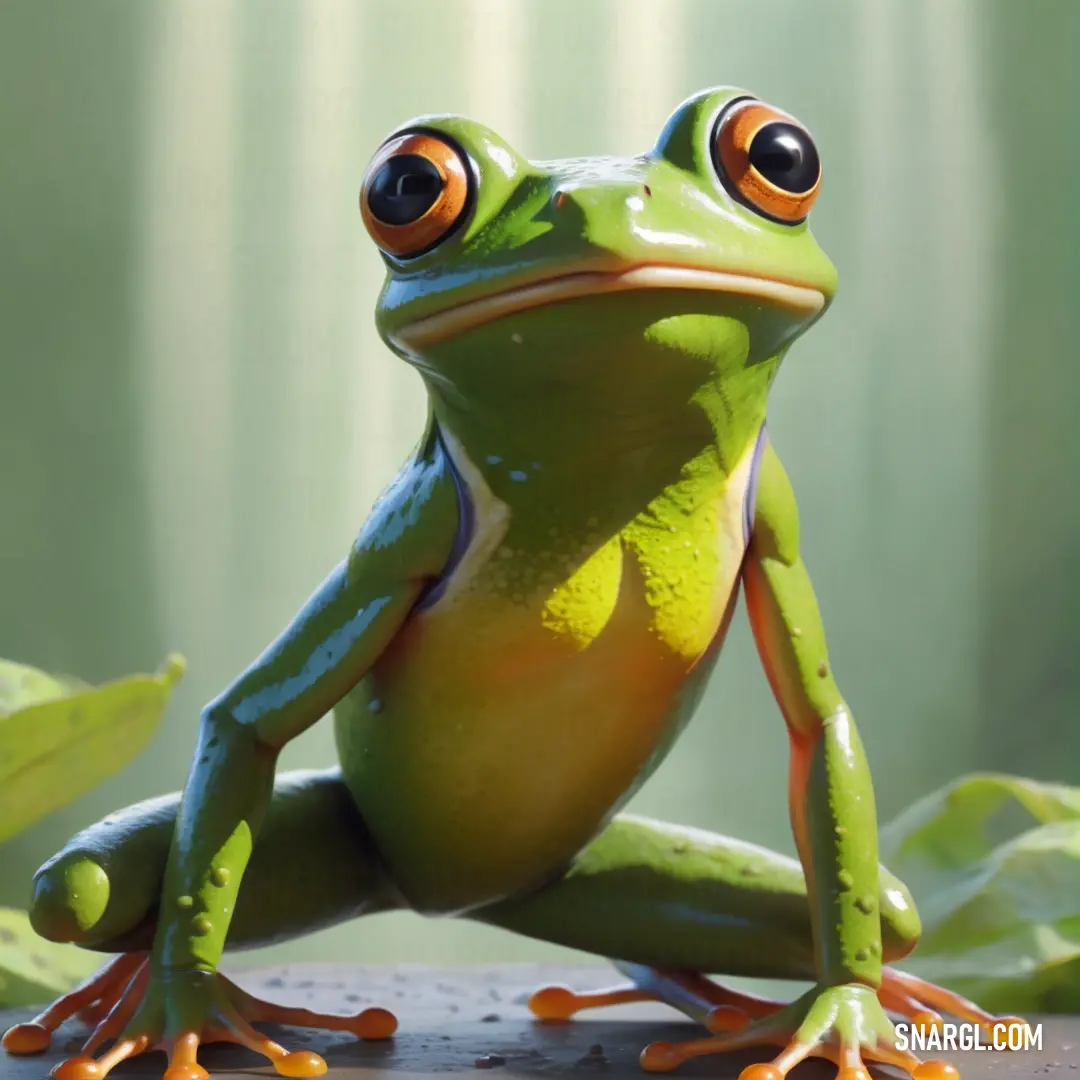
641	276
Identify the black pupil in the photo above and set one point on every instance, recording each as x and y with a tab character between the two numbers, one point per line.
404	189
785	155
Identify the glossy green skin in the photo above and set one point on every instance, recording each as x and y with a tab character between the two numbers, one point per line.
606	441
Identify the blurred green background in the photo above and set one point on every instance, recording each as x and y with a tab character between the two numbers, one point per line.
195	411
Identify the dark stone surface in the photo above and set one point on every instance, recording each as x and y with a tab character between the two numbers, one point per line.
468	1020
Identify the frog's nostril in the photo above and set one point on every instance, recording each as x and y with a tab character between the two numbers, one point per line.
558	199
647	189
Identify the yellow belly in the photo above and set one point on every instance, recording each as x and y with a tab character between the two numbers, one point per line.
496	735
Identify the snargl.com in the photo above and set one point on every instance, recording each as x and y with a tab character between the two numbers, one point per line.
943	1038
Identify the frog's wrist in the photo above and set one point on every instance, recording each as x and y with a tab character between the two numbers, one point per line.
843	973
188	943
854	953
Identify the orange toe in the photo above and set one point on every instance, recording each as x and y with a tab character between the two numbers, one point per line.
1015	1033
663	1057
188	1071
553	1003
926	1021
761	1071
376	1023
26	1039
935	1070
300	1065
853	1072
77	1068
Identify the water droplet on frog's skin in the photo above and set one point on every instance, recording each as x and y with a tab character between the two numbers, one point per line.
494	459
518	475
375	705
795	631
845	879
201	925
184	901
219	876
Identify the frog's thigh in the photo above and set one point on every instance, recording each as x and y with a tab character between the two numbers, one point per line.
313	865
670	897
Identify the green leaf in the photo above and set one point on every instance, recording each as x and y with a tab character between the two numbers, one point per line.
32	970
993	862
60	737
21	685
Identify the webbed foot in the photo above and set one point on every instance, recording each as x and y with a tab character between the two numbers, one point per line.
176	1013
844	1024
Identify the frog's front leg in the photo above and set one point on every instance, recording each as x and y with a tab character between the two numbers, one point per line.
314	865
831	804
179	1000
841	946
832	814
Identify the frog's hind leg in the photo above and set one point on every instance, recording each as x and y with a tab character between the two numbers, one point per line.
313	865
674	905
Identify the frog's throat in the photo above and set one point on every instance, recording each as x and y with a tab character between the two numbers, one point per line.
431	329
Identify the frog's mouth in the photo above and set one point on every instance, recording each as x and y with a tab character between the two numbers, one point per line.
803	300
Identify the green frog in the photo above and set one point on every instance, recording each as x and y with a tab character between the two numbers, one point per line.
525	624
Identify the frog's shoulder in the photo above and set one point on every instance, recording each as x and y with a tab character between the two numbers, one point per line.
418	520
482	518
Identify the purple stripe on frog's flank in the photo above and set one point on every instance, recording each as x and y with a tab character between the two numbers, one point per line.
465	530
750	498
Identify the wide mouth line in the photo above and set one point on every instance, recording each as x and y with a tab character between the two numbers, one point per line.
803	299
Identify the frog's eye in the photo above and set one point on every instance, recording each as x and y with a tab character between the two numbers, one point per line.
767	160
415	193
